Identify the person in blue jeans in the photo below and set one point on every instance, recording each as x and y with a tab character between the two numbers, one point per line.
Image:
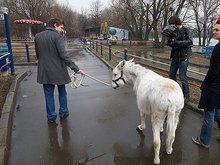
180	40
53	60
210	95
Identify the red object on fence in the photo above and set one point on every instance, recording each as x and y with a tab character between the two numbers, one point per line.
28	21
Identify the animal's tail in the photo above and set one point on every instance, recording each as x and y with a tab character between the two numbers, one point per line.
172	121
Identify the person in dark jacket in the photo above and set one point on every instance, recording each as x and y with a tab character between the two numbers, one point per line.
53	60
180	40
210	94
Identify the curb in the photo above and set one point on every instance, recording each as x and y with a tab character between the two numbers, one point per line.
6	118
194	107
25	64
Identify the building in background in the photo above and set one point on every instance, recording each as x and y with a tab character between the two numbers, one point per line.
106	32
118	34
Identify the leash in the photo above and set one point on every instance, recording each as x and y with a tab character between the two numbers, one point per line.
77	80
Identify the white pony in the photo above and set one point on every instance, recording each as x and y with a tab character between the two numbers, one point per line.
161	97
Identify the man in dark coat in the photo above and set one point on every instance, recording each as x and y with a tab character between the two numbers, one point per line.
53	60
180	40
210	95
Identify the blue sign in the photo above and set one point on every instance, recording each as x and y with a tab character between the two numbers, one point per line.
112	31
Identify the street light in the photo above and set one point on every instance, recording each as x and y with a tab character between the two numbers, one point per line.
4	10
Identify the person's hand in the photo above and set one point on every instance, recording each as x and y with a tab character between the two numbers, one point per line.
174	43
170	42
80	72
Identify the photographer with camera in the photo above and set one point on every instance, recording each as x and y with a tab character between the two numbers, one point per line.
179	38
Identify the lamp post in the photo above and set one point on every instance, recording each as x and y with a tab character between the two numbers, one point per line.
4	10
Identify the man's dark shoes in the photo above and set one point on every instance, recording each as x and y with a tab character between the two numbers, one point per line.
197	141
64	116
52	122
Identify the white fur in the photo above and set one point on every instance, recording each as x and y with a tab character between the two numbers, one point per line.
161	97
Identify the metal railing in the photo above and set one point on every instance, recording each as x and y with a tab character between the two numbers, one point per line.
7	62
110	52
23	51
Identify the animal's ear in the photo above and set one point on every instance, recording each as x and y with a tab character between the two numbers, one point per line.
131	60
121	64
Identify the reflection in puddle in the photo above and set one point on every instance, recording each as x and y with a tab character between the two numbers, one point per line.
127	155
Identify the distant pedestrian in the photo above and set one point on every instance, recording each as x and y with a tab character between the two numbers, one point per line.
180	40
210	94
53	60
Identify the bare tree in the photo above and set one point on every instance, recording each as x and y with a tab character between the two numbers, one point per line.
132	12
95	13
35	9
145	17
69	17
42	10
205	13
83	22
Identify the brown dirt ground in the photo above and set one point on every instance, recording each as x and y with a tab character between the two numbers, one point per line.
5	83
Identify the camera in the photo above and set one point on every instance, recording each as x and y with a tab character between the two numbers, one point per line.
170	31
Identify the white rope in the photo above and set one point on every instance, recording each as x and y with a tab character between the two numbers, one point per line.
78	80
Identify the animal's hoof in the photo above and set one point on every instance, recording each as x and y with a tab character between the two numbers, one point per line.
156	161
139	130
169	152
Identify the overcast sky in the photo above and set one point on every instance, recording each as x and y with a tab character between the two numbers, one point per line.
78	5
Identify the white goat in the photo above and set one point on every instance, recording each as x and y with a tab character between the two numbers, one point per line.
161	97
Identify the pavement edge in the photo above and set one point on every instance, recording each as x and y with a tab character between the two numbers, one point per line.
102	59
6	118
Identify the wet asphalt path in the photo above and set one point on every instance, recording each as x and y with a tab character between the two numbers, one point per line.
100	129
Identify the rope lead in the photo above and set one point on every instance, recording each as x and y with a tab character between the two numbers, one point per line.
76	81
